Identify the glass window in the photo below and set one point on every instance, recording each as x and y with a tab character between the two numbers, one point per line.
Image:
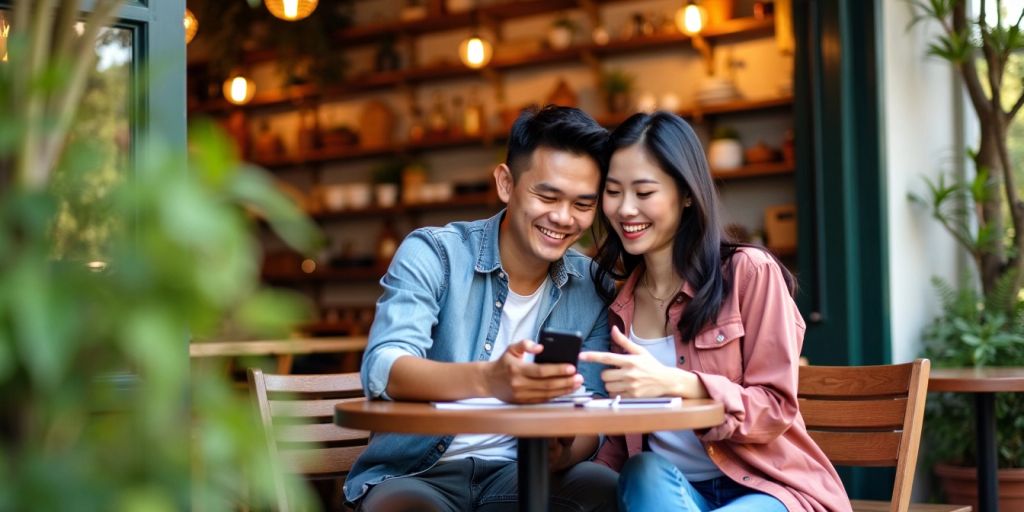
101	136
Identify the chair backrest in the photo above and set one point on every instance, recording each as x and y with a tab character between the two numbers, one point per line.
297	412
868	416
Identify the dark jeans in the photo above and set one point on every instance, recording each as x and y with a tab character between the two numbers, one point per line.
490	486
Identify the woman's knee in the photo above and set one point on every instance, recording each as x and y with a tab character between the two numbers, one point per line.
646	466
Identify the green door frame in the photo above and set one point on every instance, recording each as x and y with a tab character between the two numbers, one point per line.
841	190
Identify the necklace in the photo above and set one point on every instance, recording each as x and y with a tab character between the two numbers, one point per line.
659	301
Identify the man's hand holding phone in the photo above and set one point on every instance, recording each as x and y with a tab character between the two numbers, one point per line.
512	379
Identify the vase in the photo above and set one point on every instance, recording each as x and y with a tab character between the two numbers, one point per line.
960	484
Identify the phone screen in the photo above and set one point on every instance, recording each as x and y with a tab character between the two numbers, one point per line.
559	346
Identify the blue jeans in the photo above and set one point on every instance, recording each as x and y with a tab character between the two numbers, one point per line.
649	481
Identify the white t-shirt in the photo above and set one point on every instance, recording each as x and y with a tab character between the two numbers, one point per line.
520	319
681	447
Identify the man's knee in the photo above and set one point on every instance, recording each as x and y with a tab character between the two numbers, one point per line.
590	486
402	495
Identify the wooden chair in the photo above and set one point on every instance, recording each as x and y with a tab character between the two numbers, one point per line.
870	416
297	412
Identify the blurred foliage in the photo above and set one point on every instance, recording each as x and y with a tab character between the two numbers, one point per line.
974	331
100	411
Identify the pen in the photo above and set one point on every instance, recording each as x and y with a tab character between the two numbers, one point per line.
615	403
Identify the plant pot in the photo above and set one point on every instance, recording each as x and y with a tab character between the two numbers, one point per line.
725	154
960	485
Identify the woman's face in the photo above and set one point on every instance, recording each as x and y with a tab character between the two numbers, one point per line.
641	201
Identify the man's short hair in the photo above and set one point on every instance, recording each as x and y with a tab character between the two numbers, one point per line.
560	128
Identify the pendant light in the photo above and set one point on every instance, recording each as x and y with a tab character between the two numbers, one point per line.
475	52
191	26
239	89
290	10
5	31
691	18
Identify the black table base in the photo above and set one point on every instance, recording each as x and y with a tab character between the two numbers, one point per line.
988	485
534	479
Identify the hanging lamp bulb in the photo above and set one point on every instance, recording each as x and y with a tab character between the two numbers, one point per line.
290	10
5	31
239	89
691	18
475	52
191	26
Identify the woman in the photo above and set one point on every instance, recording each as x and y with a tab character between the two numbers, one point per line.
698	317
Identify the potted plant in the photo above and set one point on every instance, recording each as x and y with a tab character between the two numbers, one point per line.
105	278
981	324
616	85
386	176
725	152
562	31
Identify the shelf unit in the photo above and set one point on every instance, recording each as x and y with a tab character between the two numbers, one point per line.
406	80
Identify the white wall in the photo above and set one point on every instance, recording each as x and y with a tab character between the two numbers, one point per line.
920	129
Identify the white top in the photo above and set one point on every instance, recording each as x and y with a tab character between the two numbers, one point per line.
681	447
520	319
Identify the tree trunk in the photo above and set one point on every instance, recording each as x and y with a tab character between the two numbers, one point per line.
993	259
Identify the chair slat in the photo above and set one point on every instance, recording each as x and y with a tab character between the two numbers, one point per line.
318	433
306	408
859	448
321	461
885	506
833	381
348	382
853	415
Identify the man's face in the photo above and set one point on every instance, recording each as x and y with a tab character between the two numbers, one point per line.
549	205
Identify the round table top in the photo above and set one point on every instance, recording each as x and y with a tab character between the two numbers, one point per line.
977	380
424	418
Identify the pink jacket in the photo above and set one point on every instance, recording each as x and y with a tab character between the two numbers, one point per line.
748	361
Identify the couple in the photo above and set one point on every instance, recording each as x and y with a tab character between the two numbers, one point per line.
697	316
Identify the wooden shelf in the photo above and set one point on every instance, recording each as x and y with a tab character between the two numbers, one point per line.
487	200
754	171
345	154
304	94
364	274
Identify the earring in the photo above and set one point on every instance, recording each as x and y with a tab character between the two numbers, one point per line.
687	203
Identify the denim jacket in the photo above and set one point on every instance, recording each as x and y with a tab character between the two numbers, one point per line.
442	301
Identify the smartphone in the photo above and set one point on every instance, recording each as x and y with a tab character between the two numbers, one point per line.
560	346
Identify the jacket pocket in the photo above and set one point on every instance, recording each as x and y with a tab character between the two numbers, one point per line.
719	350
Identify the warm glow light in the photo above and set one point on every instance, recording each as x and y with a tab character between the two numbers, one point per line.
690	19
475	52
239	90
96	266
290	10
5	30
191	26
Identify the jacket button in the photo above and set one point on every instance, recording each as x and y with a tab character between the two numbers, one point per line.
497	303
440	447
682	359
501	275
720	338
487	347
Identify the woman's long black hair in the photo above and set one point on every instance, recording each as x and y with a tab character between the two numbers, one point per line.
700	246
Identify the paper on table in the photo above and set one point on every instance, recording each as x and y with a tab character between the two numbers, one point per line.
494	403
635	403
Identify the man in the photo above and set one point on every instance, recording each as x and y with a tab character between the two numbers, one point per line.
460	308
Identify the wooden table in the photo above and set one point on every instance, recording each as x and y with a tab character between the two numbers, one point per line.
531	425
984	383
283	350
